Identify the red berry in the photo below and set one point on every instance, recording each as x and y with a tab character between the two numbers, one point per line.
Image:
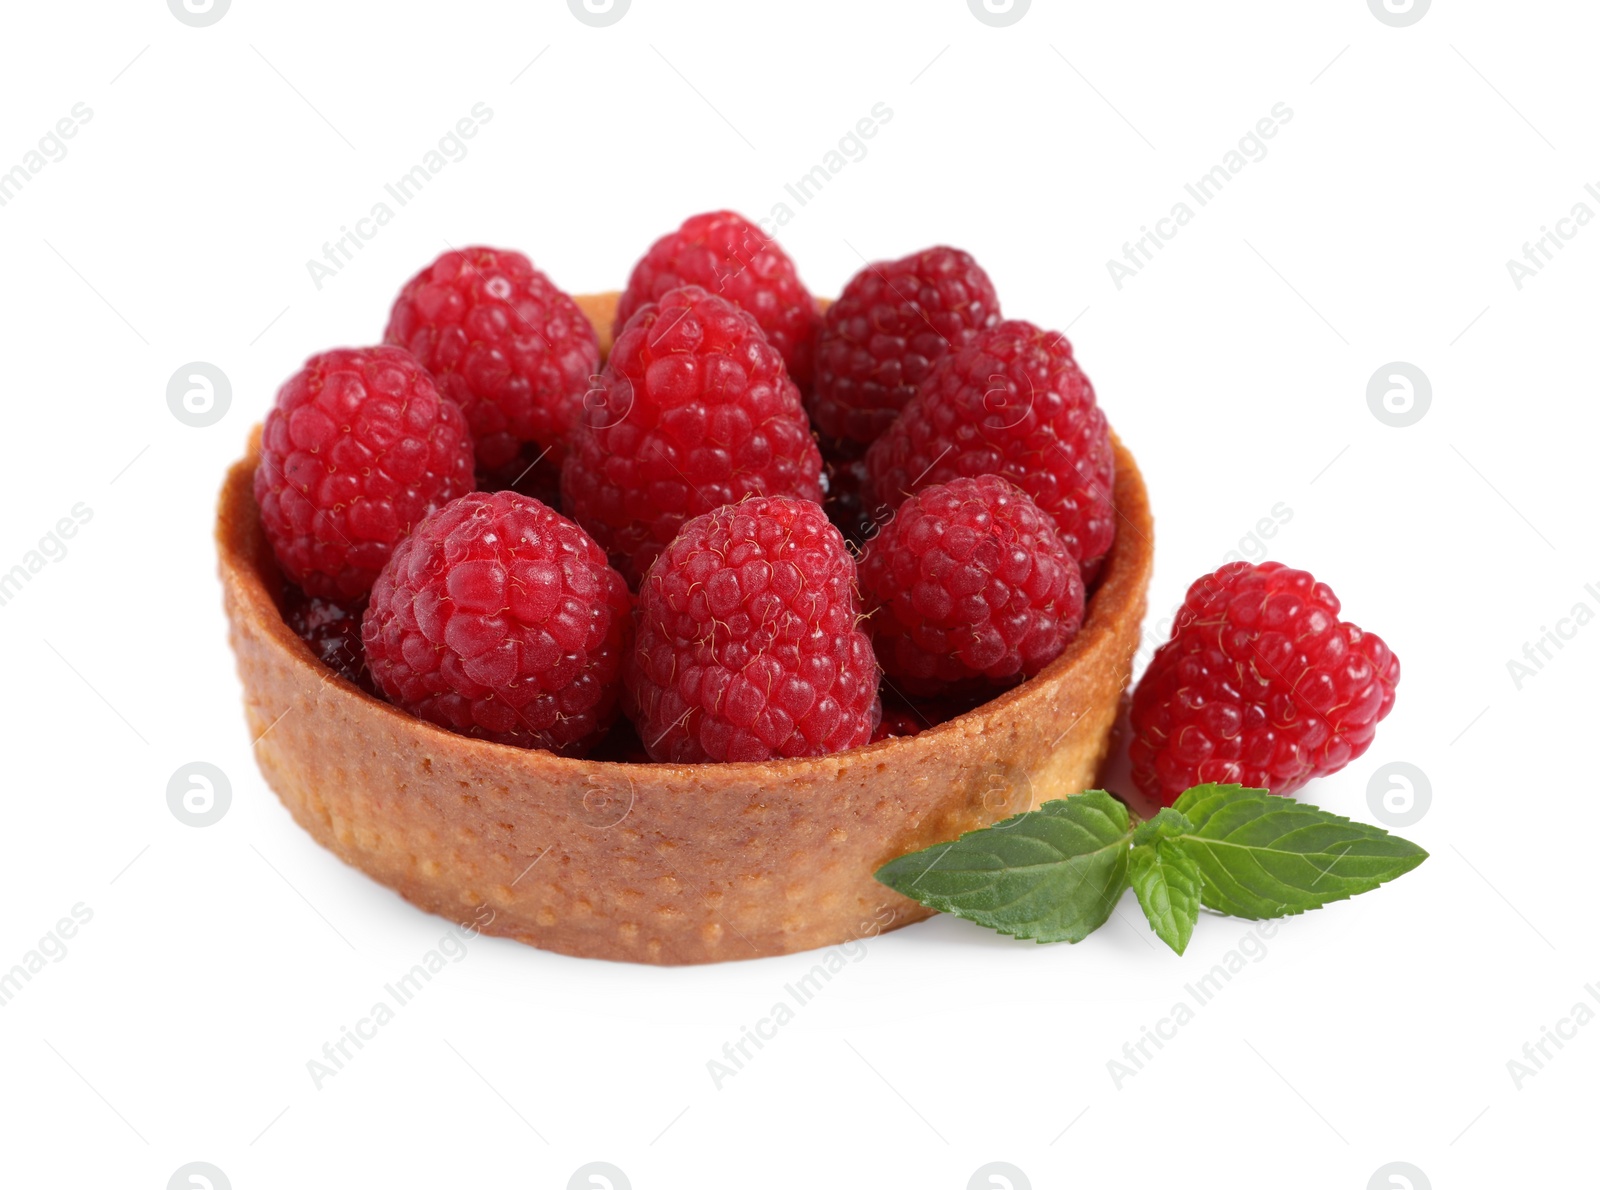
504	343
893	320
333	631
1261	684
1012	402
728	255
970	584
694	410
359	447
500	619
749	643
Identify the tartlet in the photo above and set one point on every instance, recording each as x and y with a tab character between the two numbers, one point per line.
660	863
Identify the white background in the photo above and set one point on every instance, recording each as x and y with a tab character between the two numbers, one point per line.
218	961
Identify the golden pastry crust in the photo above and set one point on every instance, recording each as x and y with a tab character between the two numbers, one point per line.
660	863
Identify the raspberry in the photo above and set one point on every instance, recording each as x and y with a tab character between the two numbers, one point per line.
728	255
694	411
359	447
970	585
749	646
504	343
893	320
333	631
1012	402
1261	684
500	619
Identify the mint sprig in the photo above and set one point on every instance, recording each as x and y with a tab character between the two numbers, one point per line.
1055	874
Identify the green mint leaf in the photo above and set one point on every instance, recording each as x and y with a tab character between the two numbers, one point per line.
1167	882
1167	823
1053	874
1266	856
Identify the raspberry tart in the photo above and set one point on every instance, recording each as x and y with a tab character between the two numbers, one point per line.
663	862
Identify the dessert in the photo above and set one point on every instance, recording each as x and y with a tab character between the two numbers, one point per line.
473	757
456	691
660	863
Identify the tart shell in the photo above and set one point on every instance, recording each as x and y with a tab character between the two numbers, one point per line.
660	863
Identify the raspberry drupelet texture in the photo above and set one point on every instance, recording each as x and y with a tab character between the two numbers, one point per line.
504	343
1012	402
878	341
499	618
969	585
728	255
749	646
694	410
1261	684
358	448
